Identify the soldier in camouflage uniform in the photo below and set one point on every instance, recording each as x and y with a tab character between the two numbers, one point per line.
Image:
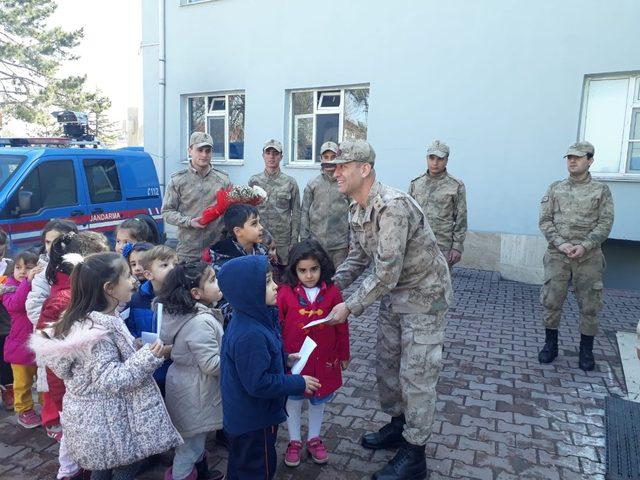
576	216
280	213
410	277
444	201
325	211
189	192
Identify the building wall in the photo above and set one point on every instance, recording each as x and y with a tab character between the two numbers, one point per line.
499	80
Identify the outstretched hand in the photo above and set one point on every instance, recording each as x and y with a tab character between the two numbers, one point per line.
338	314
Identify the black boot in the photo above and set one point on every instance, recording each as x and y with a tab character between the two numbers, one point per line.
202	467
389	436
587	363
408	464
550	350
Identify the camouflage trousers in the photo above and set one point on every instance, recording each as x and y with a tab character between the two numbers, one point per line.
586	276
338	255
408	362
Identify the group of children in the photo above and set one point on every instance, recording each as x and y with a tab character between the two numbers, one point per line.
136	353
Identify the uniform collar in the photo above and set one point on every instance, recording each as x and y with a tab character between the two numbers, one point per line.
584	181
195	172
363	214
439	176
272	175
329	178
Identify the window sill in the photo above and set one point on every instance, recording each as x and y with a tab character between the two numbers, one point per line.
195	2
303	166
235	163
617	177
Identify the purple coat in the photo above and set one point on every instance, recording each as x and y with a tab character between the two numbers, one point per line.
16	348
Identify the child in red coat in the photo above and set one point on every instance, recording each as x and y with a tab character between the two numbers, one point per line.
308	294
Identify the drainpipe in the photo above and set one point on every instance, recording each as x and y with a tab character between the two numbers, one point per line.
162	92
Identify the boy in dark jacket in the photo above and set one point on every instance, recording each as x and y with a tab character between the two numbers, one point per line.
244	234
156	263
253	381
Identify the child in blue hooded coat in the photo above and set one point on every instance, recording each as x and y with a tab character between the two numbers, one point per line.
253	381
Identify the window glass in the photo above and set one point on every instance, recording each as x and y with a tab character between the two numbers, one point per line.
302	103
329	99
50	185
304	138
196	115
8	165
103	181
356	111
327	126
236	127
604	122
216	130
634	143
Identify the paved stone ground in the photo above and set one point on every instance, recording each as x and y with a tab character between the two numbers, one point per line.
501	415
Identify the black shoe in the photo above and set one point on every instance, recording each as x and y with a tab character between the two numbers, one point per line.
202	467
550	350
586	362
389	436
408	464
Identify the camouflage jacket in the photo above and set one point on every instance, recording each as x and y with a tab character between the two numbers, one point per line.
280	214
391	231
577	212
444	201
186	196
325	213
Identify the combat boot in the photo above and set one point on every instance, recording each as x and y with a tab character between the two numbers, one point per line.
389	436
550	350
409	464
586	362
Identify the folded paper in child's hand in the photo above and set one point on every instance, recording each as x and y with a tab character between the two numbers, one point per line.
148	337
307	347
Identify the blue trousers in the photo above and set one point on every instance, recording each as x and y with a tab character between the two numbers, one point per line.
252	455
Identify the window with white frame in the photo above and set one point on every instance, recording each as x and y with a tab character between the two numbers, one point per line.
611	121
222	117
322	115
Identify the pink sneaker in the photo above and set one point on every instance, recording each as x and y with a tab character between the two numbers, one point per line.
54	431
29	419
316	449
292	457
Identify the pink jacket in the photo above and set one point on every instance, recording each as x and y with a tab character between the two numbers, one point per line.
16	349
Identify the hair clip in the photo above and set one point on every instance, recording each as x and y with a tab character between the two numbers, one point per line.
73	258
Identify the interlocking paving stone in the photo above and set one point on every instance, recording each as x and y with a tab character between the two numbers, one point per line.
501	415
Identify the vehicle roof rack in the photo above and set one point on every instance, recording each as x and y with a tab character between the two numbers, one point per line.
60	142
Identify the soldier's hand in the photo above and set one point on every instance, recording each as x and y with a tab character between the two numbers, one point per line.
195	223
338	314
566	248
454	256
577	252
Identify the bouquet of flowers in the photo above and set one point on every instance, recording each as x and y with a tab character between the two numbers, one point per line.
225	197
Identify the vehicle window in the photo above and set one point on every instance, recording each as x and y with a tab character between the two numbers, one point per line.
50	185
103	181
8	165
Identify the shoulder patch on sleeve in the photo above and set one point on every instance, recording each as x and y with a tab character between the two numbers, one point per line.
545	199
